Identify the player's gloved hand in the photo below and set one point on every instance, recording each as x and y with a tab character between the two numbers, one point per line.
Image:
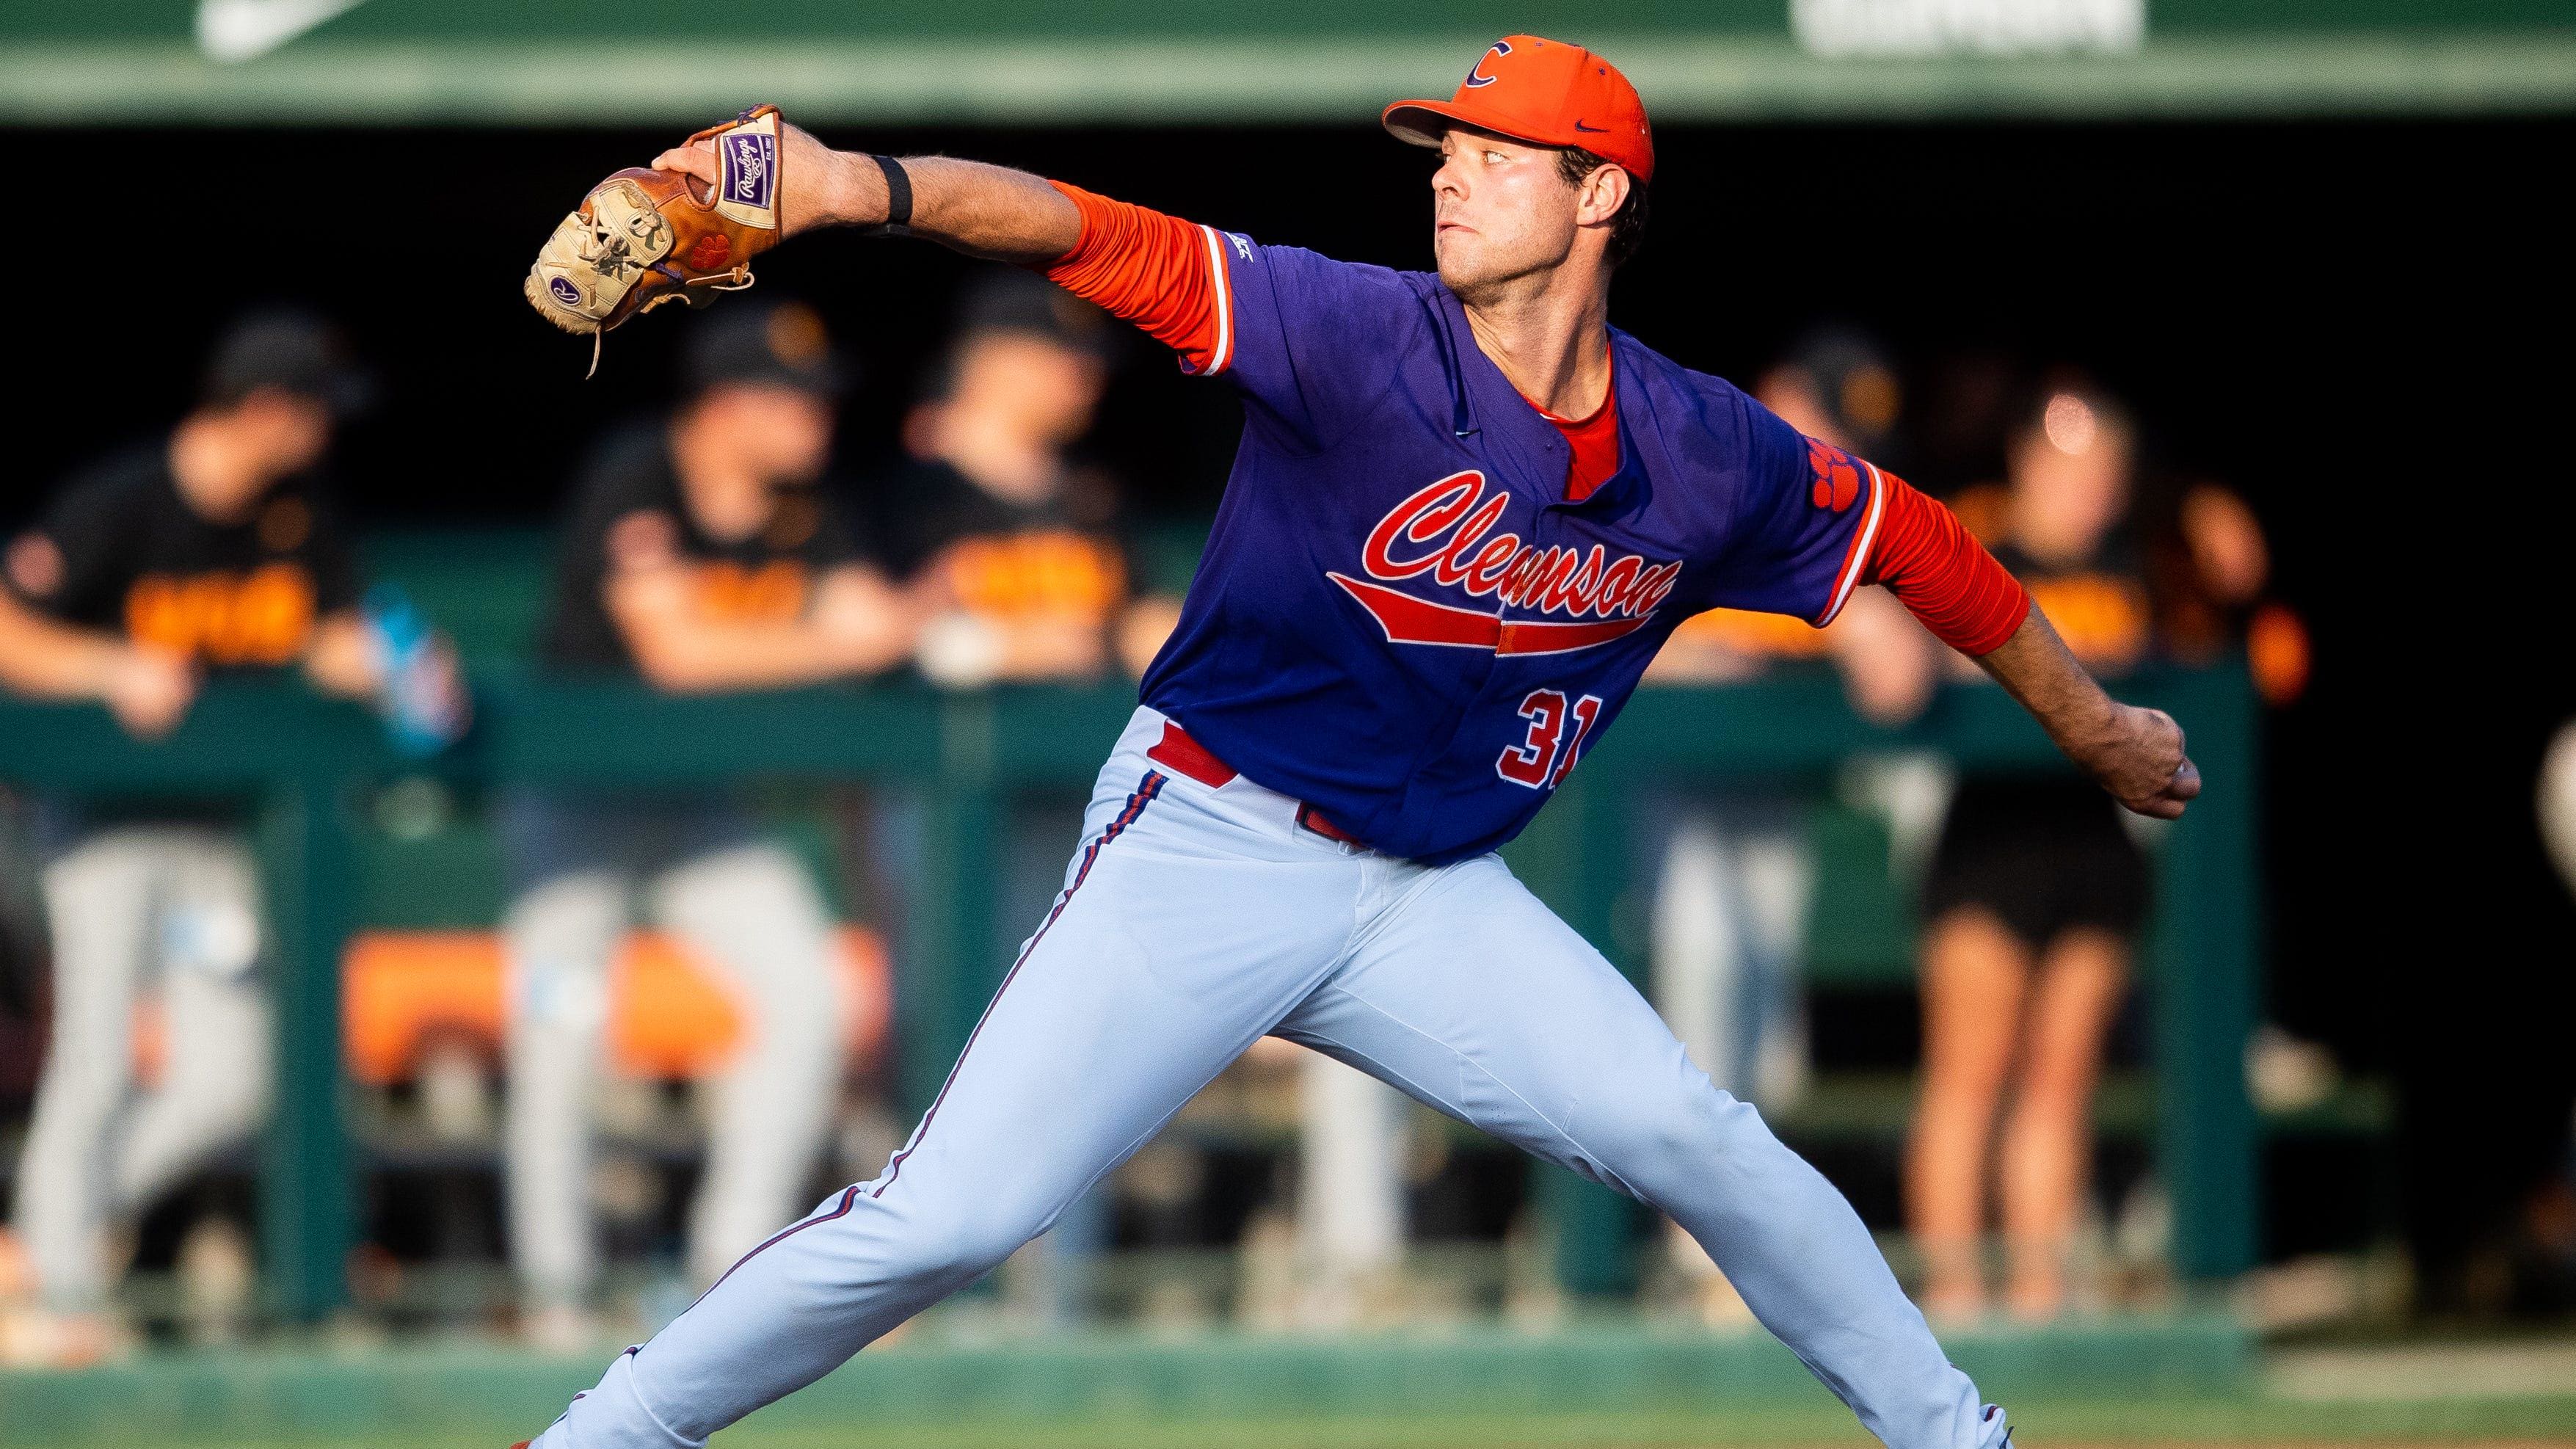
2139	758
148	690
645	237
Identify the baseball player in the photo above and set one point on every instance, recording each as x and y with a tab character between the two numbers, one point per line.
700	557
214	550
1464	515
1004	538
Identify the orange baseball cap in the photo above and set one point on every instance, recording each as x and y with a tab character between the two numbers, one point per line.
1541	91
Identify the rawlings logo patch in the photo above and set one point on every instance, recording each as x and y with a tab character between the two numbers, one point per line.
564	291
750	167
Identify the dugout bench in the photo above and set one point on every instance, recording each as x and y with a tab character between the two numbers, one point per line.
306	762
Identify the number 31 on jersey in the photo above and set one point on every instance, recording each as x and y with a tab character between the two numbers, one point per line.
1555	738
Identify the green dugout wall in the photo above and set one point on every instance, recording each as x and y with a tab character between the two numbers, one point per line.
1022	61
306	763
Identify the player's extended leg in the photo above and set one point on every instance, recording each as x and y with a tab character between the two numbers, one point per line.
558	935
217	1068
99	898
1183	935
752	910
1471	995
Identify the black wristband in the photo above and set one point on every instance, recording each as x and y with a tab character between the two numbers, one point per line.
898	220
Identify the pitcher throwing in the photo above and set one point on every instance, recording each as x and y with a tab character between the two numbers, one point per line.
1465	514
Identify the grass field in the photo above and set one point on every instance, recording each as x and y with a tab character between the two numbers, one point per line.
2072	1425
1598	1389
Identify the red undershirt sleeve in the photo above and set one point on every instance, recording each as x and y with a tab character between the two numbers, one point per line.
1164	274
1938	569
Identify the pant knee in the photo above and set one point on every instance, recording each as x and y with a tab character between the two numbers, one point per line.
750	889
961	1245
976	1245
81	1086
241	1101
560	937
219	1108
1680	1139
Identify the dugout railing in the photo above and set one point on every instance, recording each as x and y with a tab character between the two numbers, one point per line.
305	763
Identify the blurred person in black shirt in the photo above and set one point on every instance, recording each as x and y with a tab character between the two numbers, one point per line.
213	550
1006	545
701	555
2034	898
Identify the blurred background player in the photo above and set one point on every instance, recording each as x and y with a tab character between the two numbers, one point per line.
212	550
2033	900
1006	543
1008	546
1730	862
701	556
1732	884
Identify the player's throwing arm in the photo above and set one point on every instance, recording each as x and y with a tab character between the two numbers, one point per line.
2136	753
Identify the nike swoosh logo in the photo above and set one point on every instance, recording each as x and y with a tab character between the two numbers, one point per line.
1595	130
230	31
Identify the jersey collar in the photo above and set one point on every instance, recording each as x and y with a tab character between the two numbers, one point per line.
1491	416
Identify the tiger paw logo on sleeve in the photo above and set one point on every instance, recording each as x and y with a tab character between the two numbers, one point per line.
1838	479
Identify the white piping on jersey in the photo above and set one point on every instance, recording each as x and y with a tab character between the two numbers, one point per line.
1859	560
1223	352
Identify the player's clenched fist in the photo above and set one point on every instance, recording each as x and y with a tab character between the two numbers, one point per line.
2142	763
2136	754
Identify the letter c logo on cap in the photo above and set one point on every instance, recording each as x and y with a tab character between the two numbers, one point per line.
1476	76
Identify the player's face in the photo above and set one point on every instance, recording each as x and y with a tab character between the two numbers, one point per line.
784	434
1499	211
2070	481
284	432
1050	391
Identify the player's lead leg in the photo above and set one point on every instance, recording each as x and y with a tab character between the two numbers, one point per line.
1469	994
1181	937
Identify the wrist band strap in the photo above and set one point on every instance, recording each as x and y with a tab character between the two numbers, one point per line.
898	220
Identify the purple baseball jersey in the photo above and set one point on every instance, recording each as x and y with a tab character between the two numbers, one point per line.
1400	619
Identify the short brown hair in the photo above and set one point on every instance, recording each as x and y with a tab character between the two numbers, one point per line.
1628	224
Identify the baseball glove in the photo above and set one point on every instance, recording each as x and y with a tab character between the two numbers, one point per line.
642	237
